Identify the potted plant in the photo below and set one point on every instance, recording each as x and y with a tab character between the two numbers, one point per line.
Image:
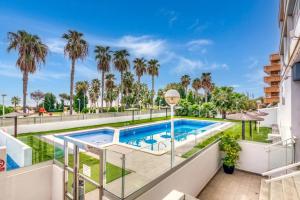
231	148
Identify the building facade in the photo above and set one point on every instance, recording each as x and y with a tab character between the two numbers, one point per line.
289	50
272	79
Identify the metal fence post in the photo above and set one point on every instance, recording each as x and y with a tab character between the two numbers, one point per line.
123	176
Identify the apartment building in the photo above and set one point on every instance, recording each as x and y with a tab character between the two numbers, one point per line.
272	79
289	50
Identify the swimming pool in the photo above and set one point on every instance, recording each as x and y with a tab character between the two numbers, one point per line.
149	136
155	137
96	137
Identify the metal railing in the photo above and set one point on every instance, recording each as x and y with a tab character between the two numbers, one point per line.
64	117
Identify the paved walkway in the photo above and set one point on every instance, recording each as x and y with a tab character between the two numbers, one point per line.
238	186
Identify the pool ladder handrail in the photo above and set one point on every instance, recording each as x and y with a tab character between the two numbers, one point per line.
161	142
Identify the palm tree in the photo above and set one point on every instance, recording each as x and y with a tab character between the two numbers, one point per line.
103	58
140	68
15	101
197	85
128	83
185	81
206	84
110	86
153	68
121	62
76	48
64	97
32	53
94	91
84	88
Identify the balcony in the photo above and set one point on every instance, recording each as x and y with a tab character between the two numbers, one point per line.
271	89
268	100
272	68
274	57
273	78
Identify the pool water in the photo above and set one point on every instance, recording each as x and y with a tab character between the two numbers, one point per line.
151	135
95	137
10	163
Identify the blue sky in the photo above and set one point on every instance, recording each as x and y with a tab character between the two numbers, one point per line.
231	39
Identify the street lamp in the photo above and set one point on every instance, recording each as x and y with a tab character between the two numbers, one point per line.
78	105
172	98
3	109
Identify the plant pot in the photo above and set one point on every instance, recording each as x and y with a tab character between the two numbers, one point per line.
228	169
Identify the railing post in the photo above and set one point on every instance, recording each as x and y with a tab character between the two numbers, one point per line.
75	174
123	176
101	174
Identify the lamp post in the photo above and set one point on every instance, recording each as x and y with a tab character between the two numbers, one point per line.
3	109
78	105
172	98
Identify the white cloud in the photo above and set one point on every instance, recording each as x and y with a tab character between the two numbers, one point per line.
56	45
197	27
253	63
142	46
214	66
84	72
199	45
188	66
10	70
171	15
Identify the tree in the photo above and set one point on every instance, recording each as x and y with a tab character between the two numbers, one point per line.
103	58
32	53
15	101
128	81
37	96
49	101
222	97
185	81
94	92
197	85
153	68
65	97
81	89
121	62
76	48
176	86
206	84
111	92
140	68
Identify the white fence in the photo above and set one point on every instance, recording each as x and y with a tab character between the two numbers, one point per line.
78	123
37	182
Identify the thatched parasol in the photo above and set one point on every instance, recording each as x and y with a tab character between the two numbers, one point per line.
244	117
15	115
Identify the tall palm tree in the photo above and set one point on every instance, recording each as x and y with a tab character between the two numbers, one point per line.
103	58
76	48
84	88
15	101
32	53
140	68
121	62
206	84
94	91
153	70
110	88
197	85
185	81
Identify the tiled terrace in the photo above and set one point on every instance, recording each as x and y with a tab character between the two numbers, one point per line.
238	186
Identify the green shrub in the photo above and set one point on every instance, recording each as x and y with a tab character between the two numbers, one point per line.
231	148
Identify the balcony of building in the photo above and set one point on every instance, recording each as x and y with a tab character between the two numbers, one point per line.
268	100
274	57
273	78
275	67
272	89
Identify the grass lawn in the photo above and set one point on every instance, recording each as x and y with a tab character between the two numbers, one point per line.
234	130
42	151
